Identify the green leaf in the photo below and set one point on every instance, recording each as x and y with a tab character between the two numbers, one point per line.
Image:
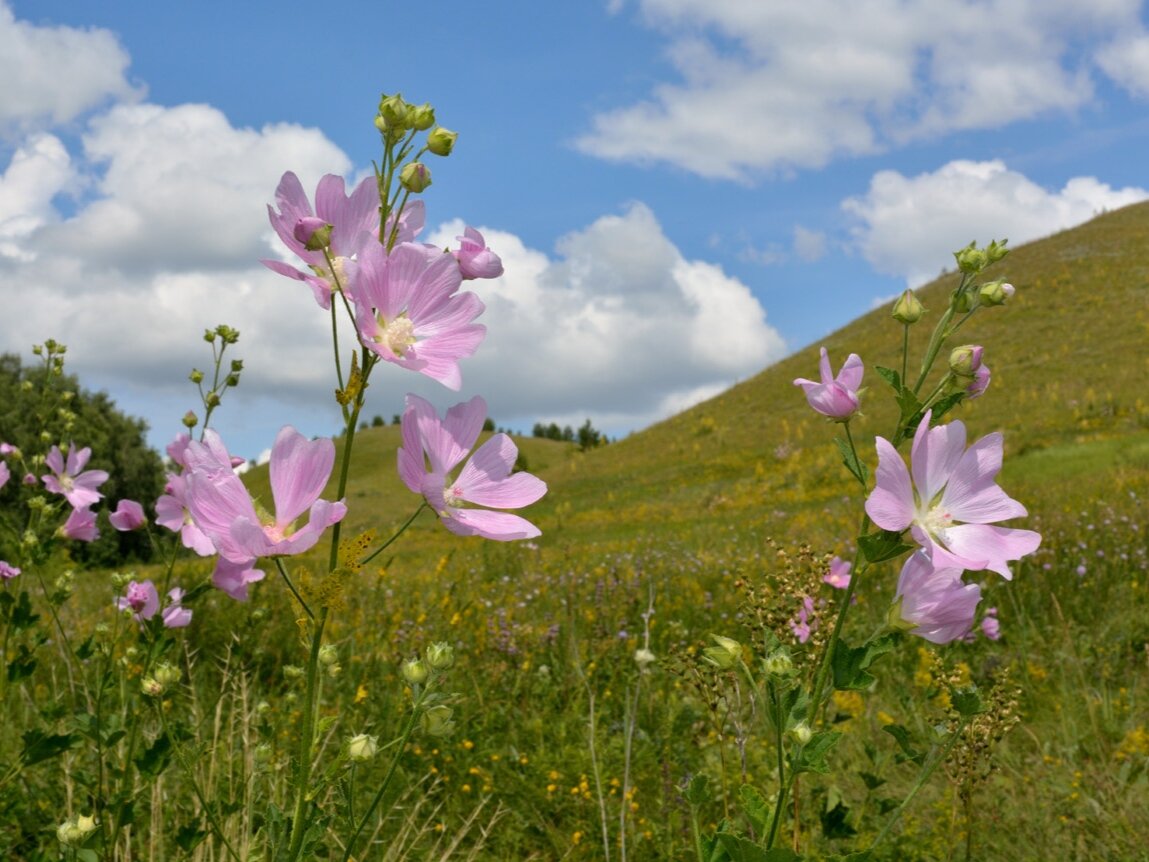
22	666
850	458
944	405
22	616
872	782
908	751
758	811
696	791
86	854
811	757
834	823
966	701
881	546
741	849
188	836
890	376
851	665
156	758
42	746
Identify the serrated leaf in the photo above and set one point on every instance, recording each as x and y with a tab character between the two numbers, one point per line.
872	782
881	546
811	757
741	849
40	746
890	376
156	758
22	615
834	823
903	737
696	791
850	459
851	665
758	811
966	701
189	836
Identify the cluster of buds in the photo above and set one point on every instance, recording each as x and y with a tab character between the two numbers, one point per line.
165	676
75	830
421	673
220	382
396	120
329	660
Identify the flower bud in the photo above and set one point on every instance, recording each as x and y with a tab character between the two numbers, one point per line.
995	251
801	733
965	360
167	674
190	420
778	663
725	655
87	824
643	657
196	376
414	671
415	177
908	309
291	671
440	656
441	141
314	233
421	117
328	654
362	748
995	292
151	686
394	112
971	258
69	833
436	721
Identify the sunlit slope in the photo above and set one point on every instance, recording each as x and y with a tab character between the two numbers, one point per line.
1070	390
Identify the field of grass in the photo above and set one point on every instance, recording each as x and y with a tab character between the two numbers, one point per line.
565	747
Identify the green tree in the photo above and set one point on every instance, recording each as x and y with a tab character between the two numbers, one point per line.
36	412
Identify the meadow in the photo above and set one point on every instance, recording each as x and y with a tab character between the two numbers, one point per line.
584	721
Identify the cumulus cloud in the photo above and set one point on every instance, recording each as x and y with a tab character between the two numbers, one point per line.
54	74
1126	61
617	326
778	86
910	226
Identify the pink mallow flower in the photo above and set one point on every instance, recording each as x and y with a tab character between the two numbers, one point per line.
408	312
66	478
475	259
838	576
806	622
836	397
990	627
354	220
129	515
175	615
485	480
80	526
171	507
976	387
143	601
952	500
223	509
935	601
5	473
7	571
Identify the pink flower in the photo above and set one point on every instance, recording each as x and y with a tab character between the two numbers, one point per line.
980	382
129	515
475	259
80	526
175	615
806	622
141	598
407	311
354	220
485	480
838	576
78	488
935	601
990	627
171	507
952	500
223	509
836	397
7	571
5	473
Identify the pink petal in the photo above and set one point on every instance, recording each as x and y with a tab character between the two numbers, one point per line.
486	479
891	503
934	456
499	526
299	471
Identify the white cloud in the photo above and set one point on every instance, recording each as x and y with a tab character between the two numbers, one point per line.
619	327
777	86
1126	61
54	74
39	170
910	226
809	245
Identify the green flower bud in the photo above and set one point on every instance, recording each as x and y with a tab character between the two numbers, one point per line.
167	674
971	258
436	721
190	420
415	177
395	112
965	360
196	376
644	657
291	671
87	824
362	748
151	686
328	654
995	292
440	656
995	251
415	671
421	117
69	833
908	309
778	663
725	655
441	141
801	733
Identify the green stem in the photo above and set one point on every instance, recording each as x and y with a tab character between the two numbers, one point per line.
291	586
400	532
905	351
923	776
783	785
407	731
306	741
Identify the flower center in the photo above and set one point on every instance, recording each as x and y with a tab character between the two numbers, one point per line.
397	335
937	521
452	495
333	277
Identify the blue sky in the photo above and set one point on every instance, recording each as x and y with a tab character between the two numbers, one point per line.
683	191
